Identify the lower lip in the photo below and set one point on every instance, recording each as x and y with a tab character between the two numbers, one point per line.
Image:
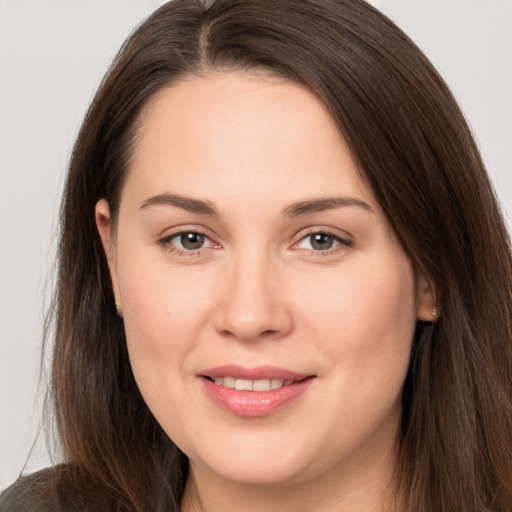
254	403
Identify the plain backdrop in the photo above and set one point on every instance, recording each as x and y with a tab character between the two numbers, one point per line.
53	54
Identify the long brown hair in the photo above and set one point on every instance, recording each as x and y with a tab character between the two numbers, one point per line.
413	147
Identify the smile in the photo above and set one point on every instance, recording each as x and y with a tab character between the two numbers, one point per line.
253	392
252	385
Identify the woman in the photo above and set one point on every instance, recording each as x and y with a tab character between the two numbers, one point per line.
284	281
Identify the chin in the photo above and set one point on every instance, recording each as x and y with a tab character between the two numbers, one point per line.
270	473
261	462
256	462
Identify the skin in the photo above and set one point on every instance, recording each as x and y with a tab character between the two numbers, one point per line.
259	292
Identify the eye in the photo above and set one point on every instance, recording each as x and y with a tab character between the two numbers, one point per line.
187	241
191	241
321	242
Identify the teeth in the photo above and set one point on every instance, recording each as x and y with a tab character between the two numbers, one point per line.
243	385
252	385
261	385
229	382
276	383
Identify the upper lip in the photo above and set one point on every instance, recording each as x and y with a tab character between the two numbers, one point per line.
254	373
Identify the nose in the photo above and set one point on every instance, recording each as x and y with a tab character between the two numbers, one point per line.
253	301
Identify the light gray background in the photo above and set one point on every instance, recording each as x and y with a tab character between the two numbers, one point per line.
53	54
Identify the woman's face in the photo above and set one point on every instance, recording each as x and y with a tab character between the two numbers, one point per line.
249	254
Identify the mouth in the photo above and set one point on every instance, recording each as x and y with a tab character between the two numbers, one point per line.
252	385
254	392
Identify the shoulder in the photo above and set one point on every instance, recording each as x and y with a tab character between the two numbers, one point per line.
31	493
58	489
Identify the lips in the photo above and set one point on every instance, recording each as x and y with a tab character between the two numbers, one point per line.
256	373
253	391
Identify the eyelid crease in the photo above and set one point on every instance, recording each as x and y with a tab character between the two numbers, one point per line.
167	238
340	234
183	228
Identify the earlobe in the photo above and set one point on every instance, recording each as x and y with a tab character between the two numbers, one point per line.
427	307
104	226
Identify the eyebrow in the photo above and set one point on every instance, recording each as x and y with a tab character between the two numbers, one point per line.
319	205
185	203
296	209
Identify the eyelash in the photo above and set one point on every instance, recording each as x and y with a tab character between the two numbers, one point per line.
167	243
342	243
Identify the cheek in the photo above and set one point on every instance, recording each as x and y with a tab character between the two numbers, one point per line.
364	320
164	311
363	303
164	308
164	314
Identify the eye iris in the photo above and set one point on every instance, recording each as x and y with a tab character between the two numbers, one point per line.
192	241
321	241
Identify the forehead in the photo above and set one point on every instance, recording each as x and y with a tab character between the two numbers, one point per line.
233	129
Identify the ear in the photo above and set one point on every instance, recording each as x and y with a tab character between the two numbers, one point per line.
427	308
104	225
